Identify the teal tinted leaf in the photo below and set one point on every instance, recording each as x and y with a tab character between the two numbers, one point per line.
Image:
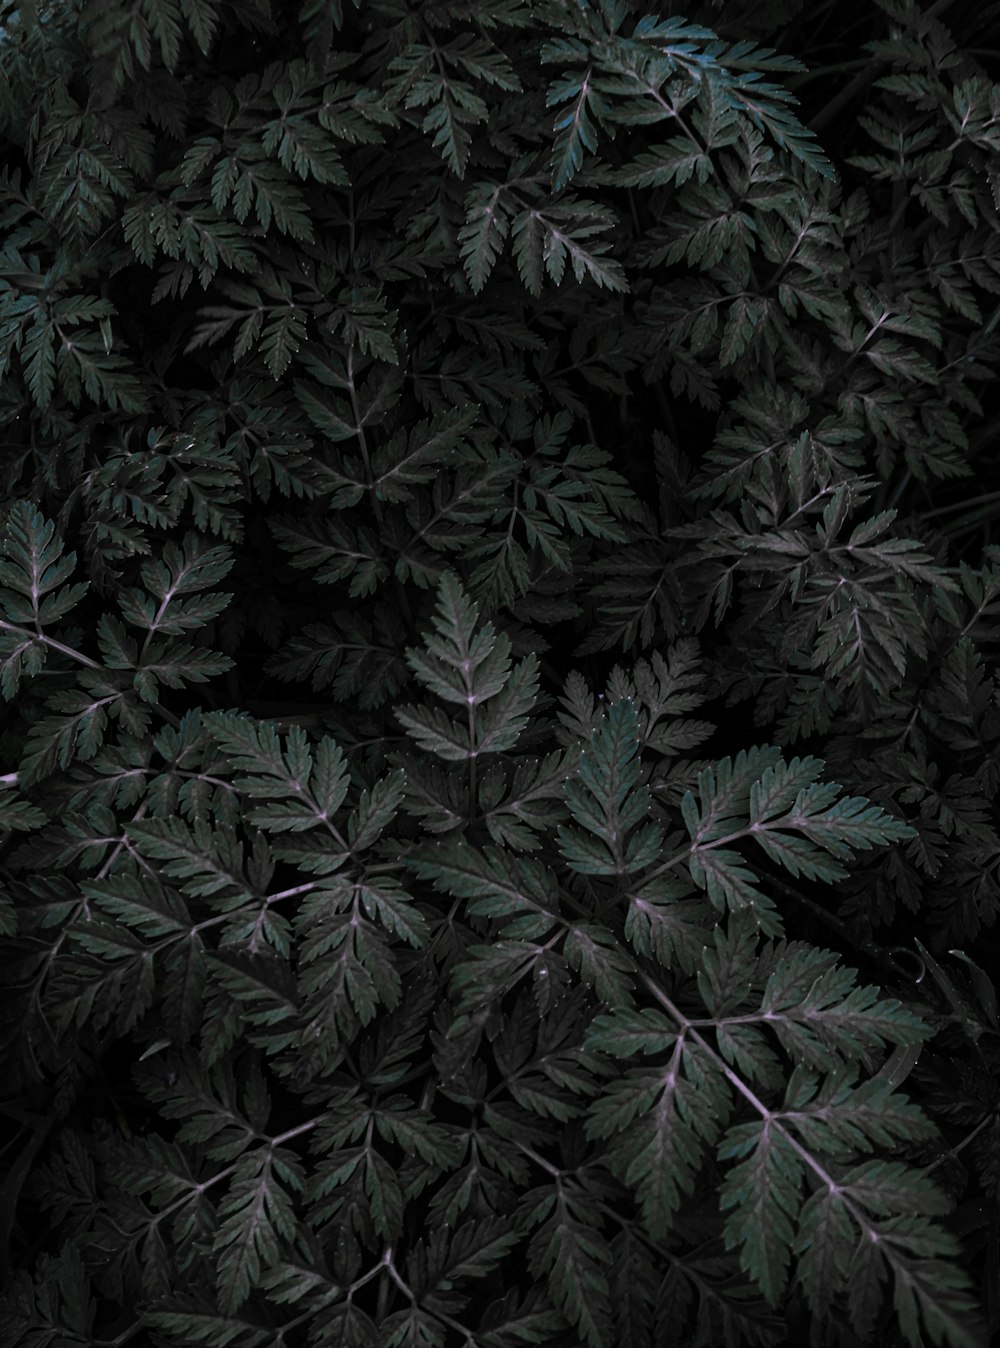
595	954
192	1322
730	884
527	233
724	791
665	1117
261	984
375	811
624	1033
18	814
256	1215
574	127
471	1251
33	569
21	655
75	729
820	1016
570	1254
39	356
206	861
144	904
518	891
395	909
174	664
608	799
301	789
460	664
506	717
467	664
665	922
728	968
417	454
824	1246
437	733
851	824
176	582
482	237
774	793
765	1192
677	161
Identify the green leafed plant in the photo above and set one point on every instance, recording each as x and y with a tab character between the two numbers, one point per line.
498	624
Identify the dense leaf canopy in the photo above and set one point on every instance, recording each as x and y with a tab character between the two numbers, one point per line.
499	614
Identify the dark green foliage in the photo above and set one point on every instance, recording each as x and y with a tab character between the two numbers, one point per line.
499	614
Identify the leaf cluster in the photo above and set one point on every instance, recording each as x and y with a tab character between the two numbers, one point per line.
498	625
